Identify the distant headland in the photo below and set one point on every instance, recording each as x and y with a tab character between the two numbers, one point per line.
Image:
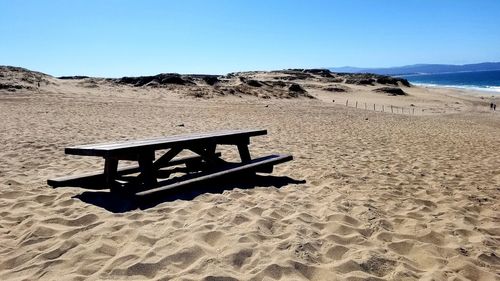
421	69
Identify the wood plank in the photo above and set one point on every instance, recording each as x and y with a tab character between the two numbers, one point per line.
110	149
95	177
254	165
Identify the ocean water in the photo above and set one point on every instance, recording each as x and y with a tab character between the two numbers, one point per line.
480	80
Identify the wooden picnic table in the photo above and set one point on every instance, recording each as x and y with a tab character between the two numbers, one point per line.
205	165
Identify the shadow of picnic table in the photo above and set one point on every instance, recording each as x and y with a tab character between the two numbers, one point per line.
120	203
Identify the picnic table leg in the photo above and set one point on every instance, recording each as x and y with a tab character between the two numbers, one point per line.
244	152
163	160
211	148
208	154
148	172
110	171
212	160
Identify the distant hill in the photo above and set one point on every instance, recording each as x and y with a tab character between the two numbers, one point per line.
289	83
421	69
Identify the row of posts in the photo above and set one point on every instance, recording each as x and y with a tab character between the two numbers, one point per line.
393	108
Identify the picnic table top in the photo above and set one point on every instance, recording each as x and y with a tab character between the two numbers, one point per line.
106	149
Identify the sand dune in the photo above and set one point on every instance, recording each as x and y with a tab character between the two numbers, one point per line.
369	196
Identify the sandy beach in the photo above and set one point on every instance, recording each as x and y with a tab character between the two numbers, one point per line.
370	195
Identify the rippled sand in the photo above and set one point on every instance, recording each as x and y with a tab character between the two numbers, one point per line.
369	196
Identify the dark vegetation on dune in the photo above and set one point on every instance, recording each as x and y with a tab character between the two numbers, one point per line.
254	83
75	77
336	89
17	78
160	79
289	83
392	91
372	79
10	87
296	88
321	72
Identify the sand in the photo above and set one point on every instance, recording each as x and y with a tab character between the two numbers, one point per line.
369	195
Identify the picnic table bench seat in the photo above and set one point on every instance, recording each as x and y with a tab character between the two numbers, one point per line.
207	164
95	177
262	164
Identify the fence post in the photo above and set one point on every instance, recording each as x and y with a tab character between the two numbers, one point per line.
413	111
373	107
391	109
346	102
356	104
383	110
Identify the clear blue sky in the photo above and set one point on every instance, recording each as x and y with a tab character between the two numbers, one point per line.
118	37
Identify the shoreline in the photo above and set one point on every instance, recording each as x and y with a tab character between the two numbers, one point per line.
473	89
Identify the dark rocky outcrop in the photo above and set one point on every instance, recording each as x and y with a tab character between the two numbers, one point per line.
321	72
17	78
277	83
254	83
288	78
211	79
392	91
387	80
296	88
10	87
371	79
336	89
360	81
317	71
160	79
174	79
23	75
295	74
76	77
206	78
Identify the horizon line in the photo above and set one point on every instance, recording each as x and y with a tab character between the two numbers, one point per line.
241	71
